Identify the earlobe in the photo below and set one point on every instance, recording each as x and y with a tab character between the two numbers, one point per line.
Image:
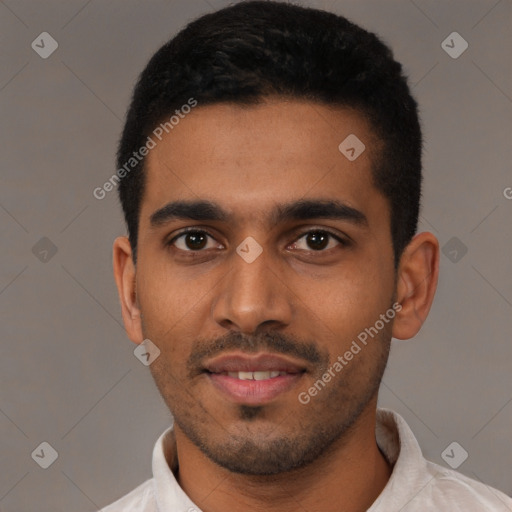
416	285
125	276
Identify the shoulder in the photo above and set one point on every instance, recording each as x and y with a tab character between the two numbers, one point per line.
462	493
418	484
140	499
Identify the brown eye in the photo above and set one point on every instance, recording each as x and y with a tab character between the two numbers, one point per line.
195	241
318	240
192	240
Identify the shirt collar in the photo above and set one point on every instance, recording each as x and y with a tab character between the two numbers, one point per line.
168	493
410	475
394	438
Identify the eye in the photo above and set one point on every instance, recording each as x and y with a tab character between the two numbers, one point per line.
193	240
318	240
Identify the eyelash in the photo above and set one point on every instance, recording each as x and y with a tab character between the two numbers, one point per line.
343	242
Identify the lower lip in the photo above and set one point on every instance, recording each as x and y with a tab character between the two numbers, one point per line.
253	392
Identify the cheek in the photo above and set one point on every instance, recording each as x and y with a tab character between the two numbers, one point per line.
168	308
348	303
163	292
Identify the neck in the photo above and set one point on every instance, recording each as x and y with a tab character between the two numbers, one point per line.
349	477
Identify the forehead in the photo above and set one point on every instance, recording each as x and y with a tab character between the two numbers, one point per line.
250	158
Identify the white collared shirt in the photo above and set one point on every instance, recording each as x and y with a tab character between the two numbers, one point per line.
415	485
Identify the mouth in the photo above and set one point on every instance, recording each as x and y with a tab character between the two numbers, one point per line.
256	375
253	380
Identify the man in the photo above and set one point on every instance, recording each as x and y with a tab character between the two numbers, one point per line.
270	177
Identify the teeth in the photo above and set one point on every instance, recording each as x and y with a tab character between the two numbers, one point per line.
255	375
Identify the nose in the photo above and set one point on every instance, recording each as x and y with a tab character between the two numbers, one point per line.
253	295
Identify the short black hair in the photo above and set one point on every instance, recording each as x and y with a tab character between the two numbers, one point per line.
252	50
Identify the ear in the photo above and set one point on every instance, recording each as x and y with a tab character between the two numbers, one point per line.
418	272
125	276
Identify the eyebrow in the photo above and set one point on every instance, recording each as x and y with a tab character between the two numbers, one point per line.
302	209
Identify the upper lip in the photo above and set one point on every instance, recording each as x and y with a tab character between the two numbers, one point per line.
252	363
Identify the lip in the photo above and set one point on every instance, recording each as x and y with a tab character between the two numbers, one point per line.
253	392
252	363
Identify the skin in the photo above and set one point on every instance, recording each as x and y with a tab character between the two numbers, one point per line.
284	454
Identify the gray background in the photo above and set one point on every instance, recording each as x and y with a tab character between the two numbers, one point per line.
68	373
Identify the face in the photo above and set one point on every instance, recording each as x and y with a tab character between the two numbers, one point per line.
282	271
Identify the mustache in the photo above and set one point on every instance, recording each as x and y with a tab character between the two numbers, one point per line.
269	342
